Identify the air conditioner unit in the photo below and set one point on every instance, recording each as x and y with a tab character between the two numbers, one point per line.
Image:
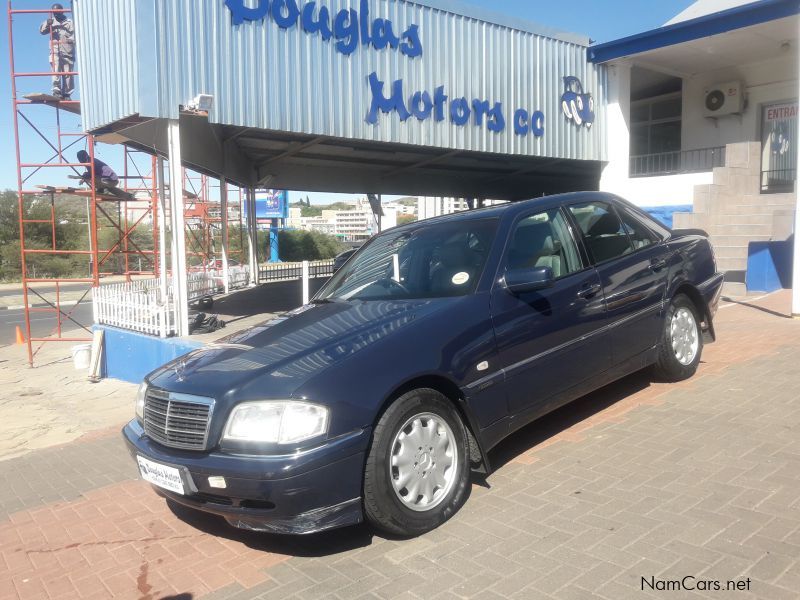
724	99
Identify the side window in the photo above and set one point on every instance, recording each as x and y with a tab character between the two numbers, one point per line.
544	240
641	236
605	235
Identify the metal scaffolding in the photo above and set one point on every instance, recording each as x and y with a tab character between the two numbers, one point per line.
129	230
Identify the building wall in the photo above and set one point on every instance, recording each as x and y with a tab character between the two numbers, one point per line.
282	78
766	82
668	190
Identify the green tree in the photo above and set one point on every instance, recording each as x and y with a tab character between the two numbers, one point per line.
405	219
307	245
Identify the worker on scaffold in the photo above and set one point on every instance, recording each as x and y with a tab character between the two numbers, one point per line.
62	50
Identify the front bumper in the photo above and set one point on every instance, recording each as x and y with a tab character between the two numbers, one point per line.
295	494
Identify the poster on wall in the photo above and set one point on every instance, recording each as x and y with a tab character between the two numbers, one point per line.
779	147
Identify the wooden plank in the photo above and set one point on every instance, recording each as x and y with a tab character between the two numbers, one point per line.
117	194
49	100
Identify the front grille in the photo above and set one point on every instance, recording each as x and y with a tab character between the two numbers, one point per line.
177	420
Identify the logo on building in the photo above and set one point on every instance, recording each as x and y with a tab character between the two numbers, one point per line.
578	106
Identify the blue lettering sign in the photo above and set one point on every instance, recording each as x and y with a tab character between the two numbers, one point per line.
537	123
285	13
321	25
421	105
349	26
345	29
521	122
241	13
384	104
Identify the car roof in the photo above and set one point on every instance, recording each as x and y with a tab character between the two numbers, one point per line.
511	208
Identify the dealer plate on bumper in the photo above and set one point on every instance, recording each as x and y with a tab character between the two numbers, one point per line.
163	476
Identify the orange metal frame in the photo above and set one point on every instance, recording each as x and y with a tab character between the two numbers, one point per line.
125	222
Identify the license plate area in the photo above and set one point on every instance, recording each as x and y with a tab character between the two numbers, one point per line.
163	476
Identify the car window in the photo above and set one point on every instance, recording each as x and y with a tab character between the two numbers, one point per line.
544	240
605	235
431	261
640	236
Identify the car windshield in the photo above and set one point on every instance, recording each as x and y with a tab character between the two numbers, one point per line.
434	261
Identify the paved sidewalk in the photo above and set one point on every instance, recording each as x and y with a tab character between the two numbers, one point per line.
638	480
53	403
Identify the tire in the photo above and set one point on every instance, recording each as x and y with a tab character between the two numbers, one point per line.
401	497
681	344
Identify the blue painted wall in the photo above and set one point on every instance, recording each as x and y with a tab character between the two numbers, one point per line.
665	213
130	356
769	266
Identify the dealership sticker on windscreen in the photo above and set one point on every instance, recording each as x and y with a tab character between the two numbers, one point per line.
460	278
163	476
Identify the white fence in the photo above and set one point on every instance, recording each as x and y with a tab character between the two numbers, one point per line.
141	305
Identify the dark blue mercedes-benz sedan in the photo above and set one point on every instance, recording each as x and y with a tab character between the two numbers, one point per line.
430	345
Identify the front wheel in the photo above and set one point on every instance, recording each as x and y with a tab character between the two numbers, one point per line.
681	343
417	470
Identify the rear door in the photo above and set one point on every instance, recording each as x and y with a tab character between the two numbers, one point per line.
632	262
552	339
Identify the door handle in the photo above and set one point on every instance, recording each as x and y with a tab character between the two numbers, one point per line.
589	291
657	264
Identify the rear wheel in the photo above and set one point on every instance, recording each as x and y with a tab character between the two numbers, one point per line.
682	341
417	470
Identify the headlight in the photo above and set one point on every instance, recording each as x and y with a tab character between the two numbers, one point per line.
276	421
141	393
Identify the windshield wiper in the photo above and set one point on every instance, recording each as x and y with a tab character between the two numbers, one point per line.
328	301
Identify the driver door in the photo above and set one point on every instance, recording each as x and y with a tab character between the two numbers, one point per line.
552	339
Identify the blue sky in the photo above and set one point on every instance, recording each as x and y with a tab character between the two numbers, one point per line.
602	20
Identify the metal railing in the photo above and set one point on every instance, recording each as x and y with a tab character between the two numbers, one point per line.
142	305
294	271
675	163
778	181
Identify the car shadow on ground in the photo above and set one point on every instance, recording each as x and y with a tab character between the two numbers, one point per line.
763	309
565	417
350	538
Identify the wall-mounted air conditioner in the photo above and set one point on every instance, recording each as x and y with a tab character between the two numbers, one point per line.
724	99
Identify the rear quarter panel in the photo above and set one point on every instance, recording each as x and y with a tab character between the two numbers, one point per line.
694	263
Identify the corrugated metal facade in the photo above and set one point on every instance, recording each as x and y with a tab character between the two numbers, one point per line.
108	60
150	56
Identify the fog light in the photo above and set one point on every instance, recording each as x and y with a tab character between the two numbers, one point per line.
217	482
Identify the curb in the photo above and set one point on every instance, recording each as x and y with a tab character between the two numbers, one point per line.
22	306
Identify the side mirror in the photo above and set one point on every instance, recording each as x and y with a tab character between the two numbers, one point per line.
519	281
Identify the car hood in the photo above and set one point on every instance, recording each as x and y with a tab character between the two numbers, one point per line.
274	359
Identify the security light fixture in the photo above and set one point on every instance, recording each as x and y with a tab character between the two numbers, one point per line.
201	103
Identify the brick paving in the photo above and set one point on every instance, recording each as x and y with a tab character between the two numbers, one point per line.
636	480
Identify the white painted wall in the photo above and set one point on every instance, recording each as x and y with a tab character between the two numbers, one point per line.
668	190
766	82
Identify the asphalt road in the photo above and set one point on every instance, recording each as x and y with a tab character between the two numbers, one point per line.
43	324
43	289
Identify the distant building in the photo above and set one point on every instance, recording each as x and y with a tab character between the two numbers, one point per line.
356	224
429	206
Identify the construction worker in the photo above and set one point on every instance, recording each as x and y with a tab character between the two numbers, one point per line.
62	50
105	179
